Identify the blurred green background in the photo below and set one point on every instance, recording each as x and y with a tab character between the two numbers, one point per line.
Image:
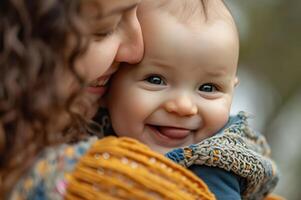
270	80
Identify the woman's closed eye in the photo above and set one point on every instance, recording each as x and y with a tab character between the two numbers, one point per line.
106	27
155	80
100	35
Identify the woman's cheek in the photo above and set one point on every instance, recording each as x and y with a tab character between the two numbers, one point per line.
98	58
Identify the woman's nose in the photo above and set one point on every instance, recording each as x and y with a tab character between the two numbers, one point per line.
182	106
131	48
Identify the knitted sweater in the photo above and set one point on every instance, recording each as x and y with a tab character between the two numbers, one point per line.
238	149
67	166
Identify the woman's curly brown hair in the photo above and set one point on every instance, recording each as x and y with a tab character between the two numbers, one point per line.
34	36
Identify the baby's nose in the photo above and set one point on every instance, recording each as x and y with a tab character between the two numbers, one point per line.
181	105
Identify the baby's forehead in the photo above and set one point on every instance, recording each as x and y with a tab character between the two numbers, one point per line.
194	11
183	10
177	42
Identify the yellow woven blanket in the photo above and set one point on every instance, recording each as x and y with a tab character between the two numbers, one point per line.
122	168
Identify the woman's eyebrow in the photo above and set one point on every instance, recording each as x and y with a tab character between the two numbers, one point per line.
124	9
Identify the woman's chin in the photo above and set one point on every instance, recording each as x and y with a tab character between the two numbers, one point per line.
86	104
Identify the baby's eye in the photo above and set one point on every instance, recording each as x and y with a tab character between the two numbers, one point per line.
156	80
208	87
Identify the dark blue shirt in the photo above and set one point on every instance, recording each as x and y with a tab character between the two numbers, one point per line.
225	185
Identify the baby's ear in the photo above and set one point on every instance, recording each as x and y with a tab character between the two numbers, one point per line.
236	81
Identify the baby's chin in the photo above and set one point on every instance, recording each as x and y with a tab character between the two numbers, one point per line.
161	149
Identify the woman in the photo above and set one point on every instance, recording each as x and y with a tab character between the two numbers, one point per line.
56	58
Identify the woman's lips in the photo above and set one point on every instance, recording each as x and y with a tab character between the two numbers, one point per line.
99	90
99	86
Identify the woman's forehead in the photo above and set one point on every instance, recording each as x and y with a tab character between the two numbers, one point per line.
115	6
103	8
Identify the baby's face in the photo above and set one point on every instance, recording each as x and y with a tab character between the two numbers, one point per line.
182	90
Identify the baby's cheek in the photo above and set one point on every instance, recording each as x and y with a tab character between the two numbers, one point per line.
215	115
219	120
143	105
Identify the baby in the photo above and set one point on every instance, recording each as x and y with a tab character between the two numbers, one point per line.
181	92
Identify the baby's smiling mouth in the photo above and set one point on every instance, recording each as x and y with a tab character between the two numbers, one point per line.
173	133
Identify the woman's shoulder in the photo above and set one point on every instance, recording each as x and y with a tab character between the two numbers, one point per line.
47	177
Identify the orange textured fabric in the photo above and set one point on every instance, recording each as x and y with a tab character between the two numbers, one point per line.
274	197
122	168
